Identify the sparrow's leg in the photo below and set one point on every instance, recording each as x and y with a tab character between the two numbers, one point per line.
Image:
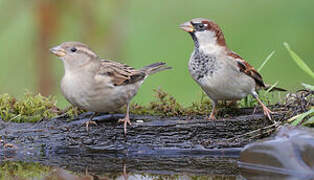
212	114
125	173
90	121
126	119
267	112
254	110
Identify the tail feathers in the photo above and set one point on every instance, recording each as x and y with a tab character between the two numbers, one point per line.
274	88
154	68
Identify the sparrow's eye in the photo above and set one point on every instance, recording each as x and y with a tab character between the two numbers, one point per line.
73	49
200	26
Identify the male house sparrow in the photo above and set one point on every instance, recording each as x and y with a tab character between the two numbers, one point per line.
99	85
220	72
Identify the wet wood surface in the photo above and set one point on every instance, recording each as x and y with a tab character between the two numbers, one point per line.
154	141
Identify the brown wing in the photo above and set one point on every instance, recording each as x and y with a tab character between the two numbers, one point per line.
120	74
248	69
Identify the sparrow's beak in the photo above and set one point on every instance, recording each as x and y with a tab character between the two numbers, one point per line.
187	26
58	51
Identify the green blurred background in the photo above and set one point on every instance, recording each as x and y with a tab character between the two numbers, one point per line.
141	32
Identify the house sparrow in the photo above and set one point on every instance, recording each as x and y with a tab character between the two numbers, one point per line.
99	85
220	72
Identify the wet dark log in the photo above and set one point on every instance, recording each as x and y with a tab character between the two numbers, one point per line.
171	139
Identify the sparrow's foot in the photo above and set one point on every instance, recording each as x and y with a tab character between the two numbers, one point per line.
212	114
267	112
254	110
88	123
211	118
126	121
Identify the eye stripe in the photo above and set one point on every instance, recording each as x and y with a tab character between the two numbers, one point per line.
86	51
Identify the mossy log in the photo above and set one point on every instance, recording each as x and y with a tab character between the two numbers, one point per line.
67	143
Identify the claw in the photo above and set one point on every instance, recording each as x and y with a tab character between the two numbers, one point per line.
254	110
126	121
212	114
211	117
90	122
267	112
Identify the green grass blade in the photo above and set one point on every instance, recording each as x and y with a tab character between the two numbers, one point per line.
265	61
299	61
308	86
274	85
296	120
309	122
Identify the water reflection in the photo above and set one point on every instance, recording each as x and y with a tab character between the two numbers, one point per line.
221	170
61	174
25	170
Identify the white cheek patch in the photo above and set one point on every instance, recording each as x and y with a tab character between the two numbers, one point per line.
206	37
208	42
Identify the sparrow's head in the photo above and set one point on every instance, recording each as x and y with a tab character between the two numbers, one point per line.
73	54
204	32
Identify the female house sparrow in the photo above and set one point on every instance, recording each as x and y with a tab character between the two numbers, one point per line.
221	73
99	85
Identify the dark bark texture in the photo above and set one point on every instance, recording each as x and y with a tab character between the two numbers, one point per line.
160	143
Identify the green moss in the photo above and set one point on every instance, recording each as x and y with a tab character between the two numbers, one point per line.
164	104
73	111
30	108
22	170
34	107
167	105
